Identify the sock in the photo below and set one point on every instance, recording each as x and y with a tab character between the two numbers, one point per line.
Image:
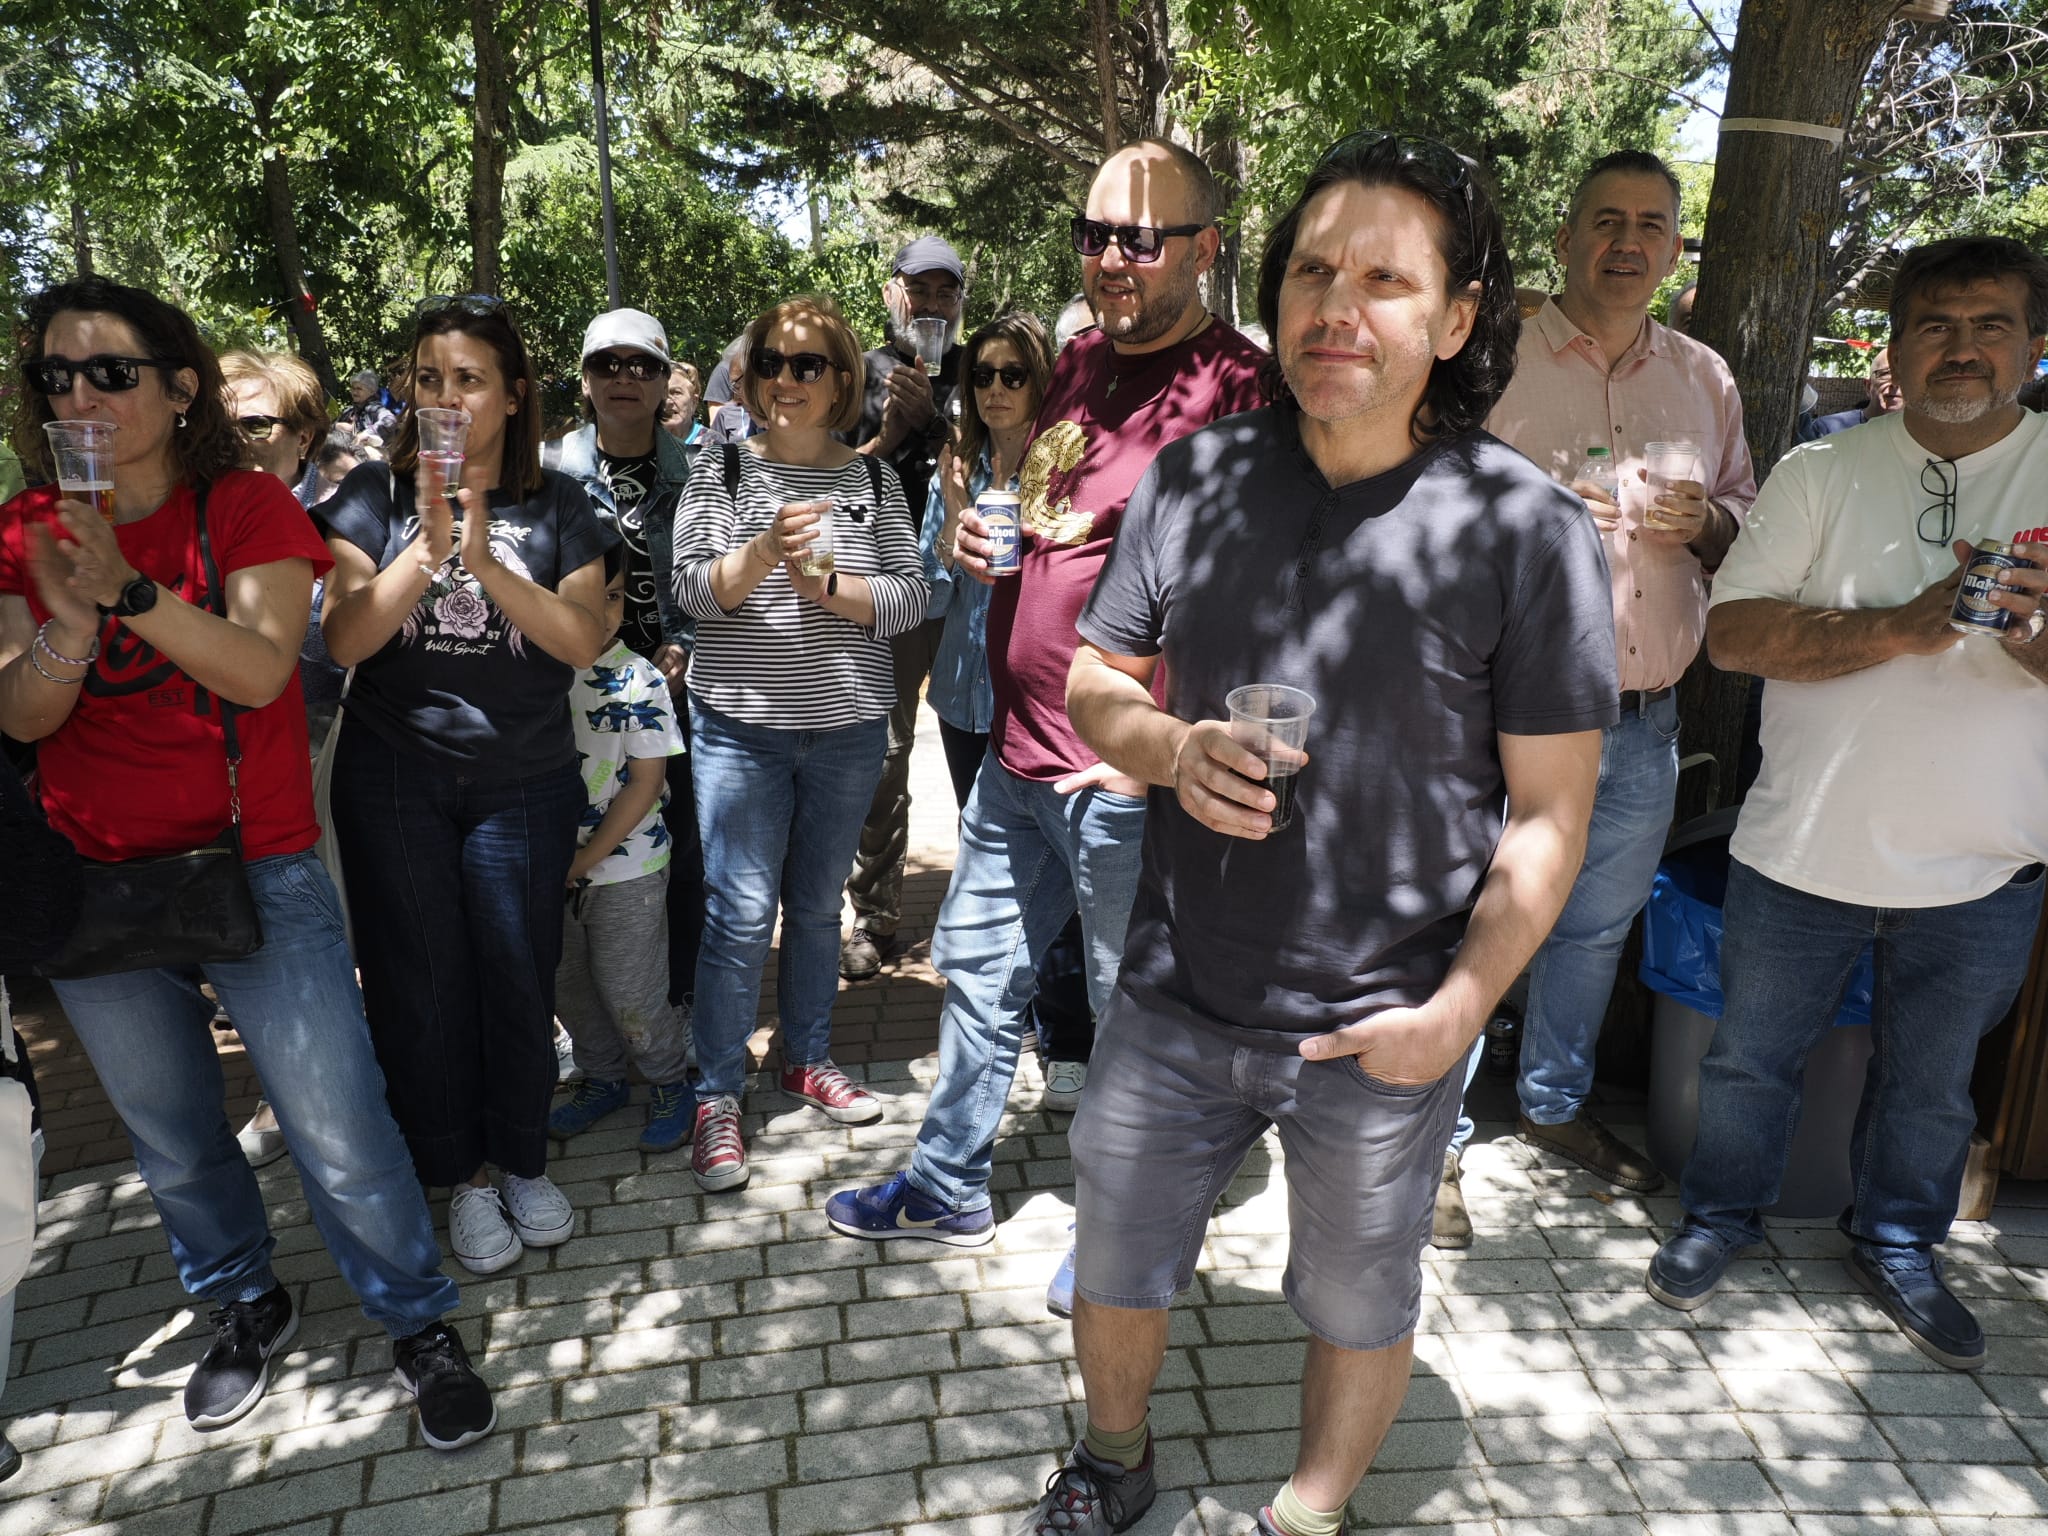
1126	1450
1297	1519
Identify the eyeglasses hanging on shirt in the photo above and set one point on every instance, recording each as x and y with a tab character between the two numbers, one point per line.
1942	475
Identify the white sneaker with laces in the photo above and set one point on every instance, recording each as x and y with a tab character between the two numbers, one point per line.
1064	1081
540	1212
566	1070
478	1231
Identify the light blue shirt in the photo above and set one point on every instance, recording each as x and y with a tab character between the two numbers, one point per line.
959	691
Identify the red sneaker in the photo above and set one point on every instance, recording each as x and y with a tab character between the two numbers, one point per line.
718	1156
831	1090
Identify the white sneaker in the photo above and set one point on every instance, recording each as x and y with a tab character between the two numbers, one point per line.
478	1231
566	1070
1064	1081
540	1212
259	1145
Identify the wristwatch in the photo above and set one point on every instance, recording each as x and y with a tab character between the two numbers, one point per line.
137	597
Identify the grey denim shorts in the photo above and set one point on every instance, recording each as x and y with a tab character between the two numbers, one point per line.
1175	1101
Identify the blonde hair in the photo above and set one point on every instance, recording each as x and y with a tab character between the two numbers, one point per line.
842	350
300	399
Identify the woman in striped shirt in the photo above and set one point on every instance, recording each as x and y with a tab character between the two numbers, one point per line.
790	686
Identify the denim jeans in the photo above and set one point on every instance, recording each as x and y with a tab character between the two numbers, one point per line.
297	1010
455	888
1944	977
779	813
1029	858
1461	1133
1572	976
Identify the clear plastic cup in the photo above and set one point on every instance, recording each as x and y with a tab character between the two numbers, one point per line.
1666	464
84	454
817	558
928	336
1271	721
444	443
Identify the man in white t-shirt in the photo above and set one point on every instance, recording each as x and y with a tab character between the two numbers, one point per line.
1904	794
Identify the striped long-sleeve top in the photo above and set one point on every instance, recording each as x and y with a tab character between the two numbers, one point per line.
780	660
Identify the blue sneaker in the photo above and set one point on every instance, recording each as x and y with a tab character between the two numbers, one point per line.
1908	1284
1059	1296
590	1103
671	1113
895	1209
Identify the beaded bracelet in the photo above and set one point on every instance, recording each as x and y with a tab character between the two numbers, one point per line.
49	650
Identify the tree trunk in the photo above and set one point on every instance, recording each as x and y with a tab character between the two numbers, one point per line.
281	215
490	137
1223	152
81	237
1105	75
1154	38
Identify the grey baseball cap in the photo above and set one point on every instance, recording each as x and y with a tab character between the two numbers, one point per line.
928	253
633	328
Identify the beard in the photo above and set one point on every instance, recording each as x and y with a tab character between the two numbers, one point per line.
1960	411
1162	300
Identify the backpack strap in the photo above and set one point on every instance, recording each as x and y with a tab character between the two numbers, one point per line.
731	452
217	603
875	481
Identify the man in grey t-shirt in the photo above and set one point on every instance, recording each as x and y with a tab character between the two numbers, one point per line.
1448	607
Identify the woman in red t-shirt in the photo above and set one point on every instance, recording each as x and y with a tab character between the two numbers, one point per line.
116	657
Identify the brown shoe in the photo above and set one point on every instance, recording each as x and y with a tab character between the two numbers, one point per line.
1596	1149
861	955
1452	1225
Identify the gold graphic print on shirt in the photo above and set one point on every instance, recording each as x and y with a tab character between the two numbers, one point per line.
1056	451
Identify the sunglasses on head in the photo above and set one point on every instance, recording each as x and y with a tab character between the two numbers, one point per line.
766	363
106	373
639	366
478	304
1140	243
1441	161
258	429
1013	375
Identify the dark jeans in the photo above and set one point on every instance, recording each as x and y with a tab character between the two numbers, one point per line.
964	752
455	889
1945	976
685	870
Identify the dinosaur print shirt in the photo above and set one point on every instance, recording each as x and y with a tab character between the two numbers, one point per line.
621	710
1106	414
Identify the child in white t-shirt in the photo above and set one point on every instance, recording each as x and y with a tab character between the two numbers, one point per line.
611	991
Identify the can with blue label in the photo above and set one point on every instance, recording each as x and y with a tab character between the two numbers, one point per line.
1001	512
1975	613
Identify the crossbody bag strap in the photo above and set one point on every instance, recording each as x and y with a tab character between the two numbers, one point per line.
217	603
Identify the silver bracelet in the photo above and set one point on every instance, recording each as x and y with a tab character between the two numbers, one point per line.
37	662
49	650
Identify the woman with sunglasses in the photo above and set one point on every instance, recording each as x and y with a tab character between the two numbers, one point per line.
1008	364
456	793
120	643
790	685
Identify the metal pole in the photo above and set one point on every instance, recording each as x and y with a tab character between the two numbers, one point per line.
612	284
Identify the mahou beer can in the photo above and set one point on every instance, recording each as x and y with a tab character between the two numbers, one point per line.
999	511
1975	613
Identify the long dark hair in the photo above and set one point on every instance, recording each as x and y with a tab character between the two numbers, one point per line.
207	446
490	322
1461	391
1025	332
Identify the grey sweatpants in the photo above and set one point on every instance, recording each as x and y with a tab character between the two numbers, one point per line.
611	992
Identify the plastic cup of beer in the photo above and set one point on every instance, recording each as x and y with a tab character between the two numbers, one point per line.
928	337
816	558
1666	464
444	443
1270	720
84	451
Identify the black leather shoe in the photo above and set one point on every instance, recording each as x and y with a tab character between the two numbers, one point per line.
1908	1285
1684	1272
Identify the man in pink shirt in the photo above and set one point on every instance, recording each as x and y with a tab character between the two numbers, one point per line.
1595	371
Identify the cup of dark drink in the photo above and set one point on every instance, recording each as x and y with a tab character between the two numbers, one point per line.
1270	720
84	454
444	443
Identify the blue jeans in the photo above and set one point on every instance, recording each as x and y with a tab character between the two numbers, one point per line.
1029	858
1461	1133
780	814
1572	976
1945	976
296	1007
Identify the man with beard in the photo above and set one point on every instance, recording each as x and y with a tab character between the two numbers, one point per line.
1901	799
1049	827
903	421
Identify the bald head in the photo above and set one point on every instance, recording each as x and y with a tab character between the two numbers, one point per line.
1169	181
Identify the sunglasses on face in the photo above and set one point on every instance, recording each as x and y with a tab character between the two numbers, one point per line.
766	364
1013	375
108	374
1140	243
639	367
259	429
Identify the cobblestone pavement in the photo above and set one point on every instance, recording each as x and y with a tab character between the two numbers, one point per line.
722	1364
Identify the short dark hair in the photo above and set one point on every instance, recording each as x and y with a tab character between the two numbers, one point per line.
491	324
1969	259
207	447
1206	202
1461	390
1631	162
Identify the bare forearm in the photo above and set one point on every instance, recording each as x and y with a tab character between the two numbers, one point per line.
233	661
2030	657
31	705
1526	886
736	573
1115	715
559	625
1768	638
854	601
1719	531
356	624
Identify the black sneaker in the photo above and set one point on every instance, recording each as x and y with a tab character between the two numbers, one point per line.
1087	1497
455	1405
232	1376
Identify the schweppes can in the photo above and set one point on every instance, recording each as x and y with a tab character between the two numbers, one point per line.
1975	613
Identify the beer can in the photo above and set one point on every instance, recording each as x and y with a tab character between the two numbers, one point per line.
1975	613
1000	512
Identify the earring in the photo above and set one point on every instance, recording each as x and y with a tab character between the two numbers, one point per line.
181	421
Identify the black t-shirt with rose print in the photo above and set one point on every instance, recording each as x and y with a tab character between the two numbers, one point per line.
458	684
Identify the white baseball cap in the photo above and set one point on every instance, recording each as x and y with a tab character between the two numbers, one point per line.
633	328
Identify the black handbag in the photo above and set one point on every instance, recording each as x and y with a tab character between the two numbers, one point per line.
175	908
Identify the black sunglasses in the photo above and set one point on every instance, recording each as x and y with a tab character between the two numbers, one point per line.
1013	375
639	367
1943	490
1434	156
108	374
477	304
259	428
1140	243
805	367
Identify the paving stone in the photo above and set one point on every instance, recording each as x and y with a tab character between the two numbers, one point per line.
584	1441
1549	1490
1017	1344
278	1501
1575	1525
986	1436
1772	1349
555	1496
1525	1394
1556	1437
1954	1489
1866	1525
1971	1438
1420	1498
606	1396
1816	1436
1626	1348
867	1359
1015	1482
732	1422
746	1515
1790	1392
1923	1393
1659	1391
1692	1436
1423	1444
1753	1522
984	1391
1481	1354
1844	1487
408	1474
1702	1485
853	1504
760	1464
778	1331
789	1370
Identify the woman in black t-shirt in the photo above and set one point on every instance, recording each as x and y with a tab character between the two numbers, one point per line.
456	797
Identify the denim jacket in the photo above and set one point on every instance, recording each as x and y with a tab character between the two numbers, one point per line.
959	692
576	455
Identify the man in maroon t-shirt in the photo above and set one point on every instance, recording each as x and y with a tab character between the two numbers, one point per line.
1049	828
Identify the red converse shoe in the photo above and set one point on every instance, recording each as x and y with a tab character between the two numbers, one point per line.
831	1090
719	1156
